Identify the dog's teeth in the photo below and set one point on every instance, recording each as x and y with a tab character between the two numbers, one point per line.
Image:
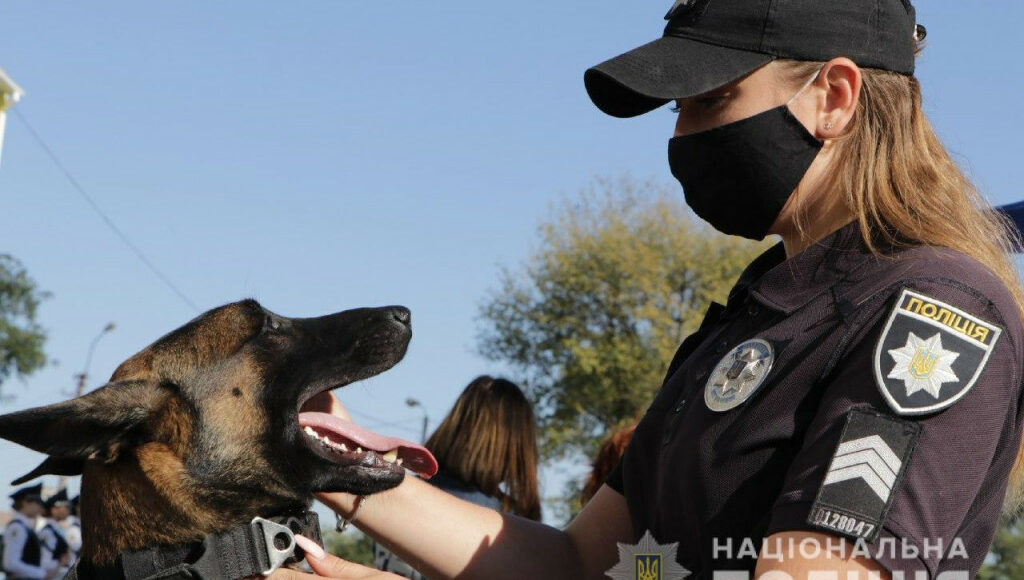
310	431
343	448
399	462
390	456
359	449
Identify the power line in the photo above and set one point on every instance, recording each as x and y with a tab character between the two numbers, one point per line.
110	223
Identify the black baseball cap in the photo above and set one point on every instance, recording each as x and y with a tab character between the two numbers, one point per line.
58	499
710	43
29	493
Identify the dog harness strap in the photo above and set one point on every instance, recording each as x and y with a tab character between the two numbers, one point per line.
254	549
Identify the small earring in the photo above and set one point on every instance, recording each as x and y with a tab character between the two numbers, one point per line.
828	125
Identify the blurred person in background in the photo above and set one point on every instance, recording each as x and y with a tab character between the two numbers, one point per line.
24	557
57	508
607	458
72	528
486	449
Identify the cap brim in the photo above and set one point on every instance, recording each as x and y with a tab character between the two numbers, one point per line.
649	76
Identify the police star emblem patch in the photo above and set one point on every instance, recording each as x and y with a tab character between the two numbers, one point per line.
647	560
930	354
738	375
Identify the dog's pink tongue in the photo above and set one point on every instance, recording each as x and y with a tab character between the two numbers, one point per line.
414	457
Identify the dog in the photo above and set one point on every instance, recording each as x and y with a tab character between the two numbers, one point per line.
221	425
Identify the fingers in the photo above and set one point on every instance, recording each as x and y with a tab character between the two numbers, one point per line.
309	547
338	409
326	402
333	567
339	502
327	566
326	569
288	574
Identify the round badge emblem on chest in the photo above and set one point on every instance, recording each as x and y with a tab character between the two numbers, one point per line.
738	375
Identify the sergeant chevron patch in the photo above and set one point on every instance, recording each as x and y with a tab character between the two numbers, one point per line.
861	480
930	354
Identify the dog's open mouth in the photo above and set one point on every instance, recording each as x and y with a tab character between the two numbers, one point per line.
343	442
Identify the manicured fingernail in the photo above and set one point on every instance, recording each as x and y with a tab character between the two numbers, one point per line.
311	548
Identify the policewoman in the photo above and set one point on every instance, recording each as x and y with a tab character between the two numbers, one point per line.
51	533
23	555
854	407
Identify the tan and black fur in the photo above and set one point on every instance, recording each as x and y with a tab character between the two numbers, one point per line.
199	432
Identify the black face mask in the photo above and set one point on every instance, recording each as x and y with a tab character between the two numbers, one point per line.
738	177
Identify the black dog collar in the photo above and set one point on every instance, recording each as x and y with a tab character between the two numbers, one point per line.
253	549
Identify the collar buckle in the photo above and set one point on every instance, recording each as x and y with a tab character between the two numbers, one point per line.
274	535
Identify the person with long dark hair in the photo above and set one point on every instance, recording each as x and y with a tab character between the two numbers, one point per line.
486	450
486	447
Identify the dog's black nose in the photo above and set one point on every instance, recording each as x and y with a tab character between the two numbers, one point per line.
401	314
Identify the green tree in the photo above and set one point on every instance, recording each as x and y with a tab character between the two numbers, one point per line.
354	546
620	276
21	338
1005	559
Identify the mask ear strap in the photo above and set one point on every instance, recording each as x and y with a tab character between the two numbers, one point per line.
806	85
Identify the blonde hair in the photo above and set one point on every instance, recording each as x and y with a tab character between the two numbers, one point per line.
489	439
905	189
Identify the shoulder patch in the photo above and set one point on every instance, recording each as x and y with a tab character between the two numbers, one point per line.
15	532
865	470
930	354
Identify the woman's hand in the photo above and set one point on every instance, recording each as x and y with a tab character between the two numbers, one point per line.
326	402
333	567
327	566
338	409
341	502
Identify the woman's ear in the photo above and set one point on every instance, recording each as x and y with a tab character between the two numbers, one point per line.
841	80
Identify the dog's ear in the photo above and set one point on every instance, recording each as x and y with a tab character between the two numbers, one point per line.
93	426
53	466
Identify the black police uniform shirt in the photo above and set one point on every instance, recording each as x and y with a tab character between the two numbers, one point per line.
919	480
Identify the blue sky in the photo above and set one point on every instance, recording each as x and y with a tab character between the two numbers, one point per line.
325	155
